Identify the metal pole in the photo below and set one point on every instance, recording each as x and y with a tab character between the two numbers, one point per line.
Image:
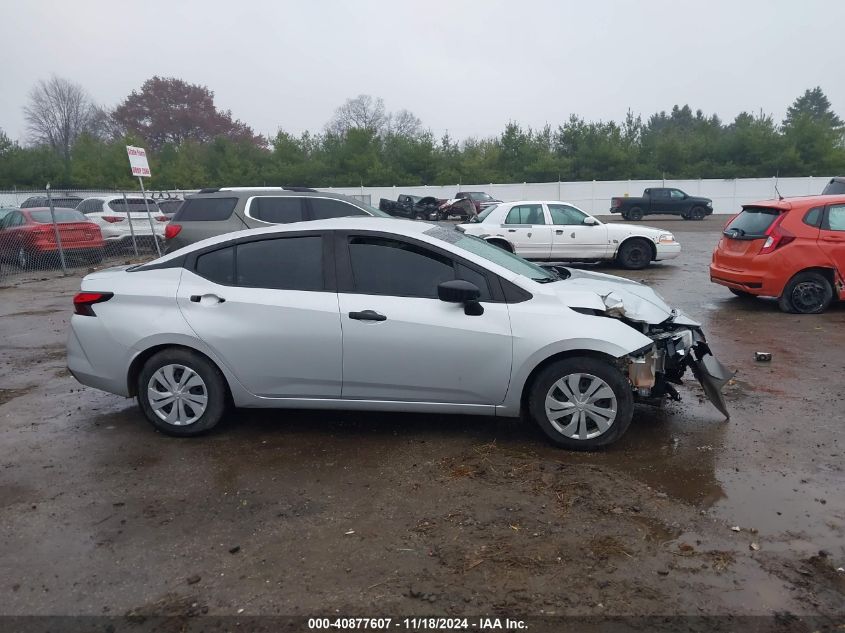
149	216
131	228
56	231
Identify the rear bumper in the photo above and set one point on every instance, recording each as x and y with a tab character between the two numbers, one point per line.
751	283
103	369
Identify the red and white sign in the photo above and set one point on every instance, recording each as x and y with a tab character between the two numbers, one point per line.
138	161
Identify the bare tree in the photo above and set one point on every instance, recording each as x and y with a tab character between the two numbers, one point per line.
58	112
104	125
404	123
362	112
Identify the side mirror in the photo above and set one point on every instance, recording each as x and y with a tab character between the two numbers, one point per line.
590	221
461	291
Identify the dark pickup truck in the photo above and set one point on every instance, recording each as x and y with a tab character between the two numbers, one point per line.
662	201
413	207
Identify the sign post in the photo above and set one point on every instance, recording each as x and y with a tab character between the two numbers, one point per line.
141	169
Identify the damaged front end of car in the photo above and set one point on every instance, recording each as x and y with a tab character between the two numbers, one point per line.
654	370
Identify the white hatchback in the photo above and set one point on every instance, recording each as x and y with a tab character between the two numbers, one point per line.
559	231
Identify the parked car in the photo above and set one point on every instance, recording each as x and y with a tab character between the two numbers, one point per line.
110	213
662	201
792	249
4	211
27	236
374	314
169	206
463	208
480	199
413	207
550	230
216	211
835	187
66	201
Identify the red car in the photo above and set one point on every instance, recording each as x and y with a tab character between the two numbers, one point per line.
792	249
27	235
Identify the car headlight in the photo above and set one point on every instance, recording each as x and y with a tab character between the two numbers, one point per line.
710	203
666	238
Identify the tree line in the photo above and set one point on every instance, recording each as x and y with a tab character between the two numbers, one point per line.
74	143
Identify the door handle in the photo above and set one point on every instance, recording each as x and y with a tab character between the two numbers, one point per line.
367	315
198	298
511	230
559	232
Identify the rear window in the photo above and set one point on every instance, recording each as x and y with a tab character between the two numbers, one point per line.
281	210
753	222
326	208
835	187
289	263
133	205
62	215
205	210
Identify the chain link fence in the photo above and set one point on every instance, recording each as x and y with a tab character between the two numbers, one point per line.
71	231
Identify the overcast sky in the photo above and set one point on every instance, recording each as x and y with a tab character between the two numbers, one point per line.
465	67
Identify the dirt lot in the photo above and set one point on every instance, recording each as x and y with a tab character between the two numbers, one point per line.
365	514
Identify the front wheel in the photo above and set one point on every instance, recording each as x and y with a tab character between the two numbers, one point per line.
181	392
581	403
697	213
634	254
806	293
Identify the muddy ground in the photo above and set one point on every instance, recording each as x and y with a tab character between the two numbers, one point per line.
302	513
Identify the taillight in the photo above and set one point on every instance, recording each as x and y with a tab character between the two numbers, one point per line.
776	236
83	301
614	202
113	218
171	231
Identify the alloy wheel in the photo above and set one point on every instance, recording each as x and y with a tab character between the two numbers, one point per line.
581	406
808	296
177	394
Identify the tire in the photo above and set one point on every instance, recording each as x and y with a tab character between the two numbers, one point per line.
635	214
501	244
167	368
634	254
806	293
419	215
697	213
96	256
625	215
583	429
741	293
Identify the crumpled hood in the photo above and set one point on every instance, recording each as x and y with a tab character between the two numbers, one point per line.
617	296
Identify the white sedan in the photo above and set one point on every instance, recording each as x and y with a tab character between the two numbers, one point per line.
560	231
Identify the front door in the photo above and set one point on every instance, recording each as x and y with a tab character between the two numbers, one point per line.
526	228
572	238
264	308
401	343
832	239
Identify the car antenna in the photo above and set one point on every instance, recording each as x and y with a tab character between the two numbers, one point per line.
777	175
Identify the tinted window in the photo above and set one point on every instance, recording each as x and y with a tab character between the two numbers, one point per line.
468	274
526	214
484	214
205	210
676	193
834	187
659	193
62	215
813	217
277	210
133	205
564	214
835	218
753	221
325	208
382	266
92	205
218	266
290	263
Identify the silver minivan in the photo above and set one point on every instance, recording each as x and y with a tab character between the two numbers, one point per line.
212	212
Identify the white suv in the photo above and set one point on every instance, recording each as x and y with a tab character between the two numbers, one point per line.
553	230
113	218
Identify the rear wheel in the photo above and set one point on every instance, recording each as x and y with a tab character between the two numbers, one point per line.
635	214
634	254
581	403
181	392
806	293
625	215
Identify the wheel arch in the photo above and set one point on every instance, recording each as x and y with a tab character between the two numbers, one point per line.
651	244
500	240
827	272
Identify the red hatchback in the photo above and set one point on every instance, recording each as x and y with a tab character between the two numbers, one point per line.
27	235
792	249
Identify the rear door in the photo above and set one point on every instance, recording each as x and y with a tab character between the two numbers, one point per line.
204	217
832	238
659	201
572	238
268	309
526	228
